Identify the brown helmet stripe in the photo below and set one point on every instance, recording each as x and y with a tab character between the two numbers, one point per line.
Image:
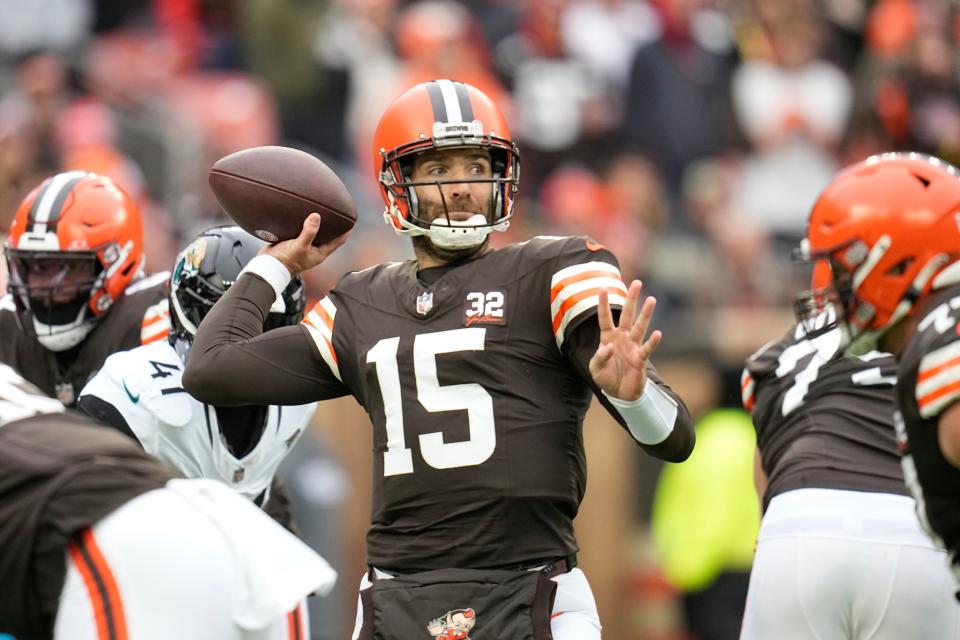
48	205
436	102
466	109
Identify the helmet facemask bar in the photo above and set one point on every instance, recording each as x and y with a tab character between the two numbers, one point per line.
852	266
816	310
403	209
53	292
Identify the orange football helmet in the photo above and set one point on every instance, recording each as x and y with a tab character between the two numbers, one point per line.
889	227
443	114
75	244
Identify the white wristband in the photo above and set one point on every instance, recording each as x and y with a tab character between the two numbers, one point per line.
649	418
270	269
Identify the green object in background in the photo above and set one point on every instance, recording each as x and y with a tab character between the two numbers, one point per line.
706	513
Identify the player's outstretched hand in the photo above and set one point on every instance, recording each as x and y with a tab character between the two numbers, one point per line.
619	366
299	254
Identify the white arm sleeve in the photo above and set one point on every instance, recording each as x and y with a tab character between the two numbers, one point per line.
651	417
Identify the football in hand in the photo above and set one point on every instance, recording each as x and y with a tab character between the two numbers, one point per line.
269	191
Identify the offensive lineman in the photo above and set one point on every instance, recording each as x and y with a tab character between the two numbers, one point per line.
98	540
840	554
889	228
476	367
77	292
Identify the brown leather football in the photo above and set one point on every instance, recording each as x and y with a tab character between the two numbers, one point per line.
269	191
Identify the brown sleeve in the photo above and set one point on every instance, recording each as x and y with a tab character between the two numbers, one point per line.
579	349
233	362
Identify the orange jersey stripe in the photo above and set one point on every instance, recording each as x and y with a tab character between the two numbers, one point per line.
332	352
586	275
749	402
324	316
163	335
294	627
933	396
574	299
926	374
101	587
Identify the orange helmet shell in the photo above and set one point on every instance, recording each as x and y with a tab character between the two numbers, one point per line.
891	222
79	211
436	115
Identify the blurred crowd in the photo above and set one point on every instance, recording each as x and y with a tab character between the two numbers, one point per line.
689	136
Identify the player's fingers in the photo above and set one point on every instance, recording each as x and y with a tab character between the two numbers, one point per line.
651	344
629	312
600	358
639	328
309	230
604	316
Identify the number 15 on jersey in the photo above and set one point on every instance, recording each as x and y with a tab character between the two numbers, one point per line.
472	398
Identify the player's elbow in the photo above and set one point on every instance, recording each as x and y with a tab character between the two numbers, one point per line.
678	445
200	381
683	448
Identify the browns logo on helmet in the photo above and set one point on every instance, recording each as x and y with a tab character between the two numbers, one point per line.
443	114
75	244
889	228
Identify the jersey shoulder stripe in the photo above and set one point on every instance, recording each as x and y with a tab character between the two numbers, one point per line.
576	289
319	324
748	391
938	380
156	322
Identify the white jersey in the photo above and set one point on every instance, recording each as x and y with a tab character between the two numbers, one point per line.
144	386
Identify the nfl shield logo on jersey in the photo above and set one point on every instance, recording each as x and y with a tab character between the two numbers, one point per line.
65	393
425	302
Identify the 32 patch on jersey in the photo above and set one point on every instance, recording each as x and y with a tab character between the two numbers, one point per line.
484	307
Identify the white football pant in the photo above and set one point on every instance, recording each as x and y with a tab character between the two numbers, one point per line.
847	565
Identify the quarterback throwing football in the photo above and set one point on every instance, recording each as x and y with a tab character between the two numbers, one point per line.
476	367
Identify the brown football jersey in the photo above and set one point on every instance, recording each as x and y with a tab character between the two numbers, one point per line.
477	415
132	320
929	383
823	421
58	473
475	376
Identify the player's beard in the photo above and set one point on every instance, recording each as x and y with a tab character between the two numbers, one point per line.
448	257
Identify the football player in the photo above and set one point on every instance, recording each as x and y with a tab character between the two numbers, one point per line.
139	391
99	540
889	228
77	291
476	367
840	553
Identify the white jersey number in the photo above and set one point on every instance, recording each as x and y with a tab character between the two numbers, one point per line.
823	348
472	398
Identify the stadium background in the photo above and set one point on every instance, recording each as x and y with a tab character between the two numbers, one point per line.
690	136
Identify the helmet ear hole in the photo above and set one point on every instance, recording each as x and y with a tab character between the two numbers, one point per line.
900	268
